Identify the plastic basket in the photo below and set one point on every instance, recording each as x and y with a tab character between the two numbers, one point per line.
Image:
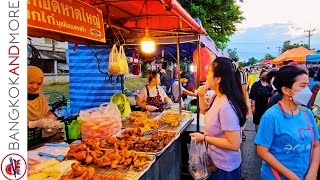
34	137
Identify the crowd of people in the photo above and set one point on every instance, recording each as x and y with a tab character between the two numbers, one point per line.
281	99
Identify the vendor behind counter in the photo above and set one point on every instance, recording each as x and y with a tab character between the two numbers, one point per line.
39	114
152	97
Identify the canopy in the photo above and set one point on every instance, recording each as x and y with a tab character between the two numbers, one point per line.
128	19
264	62
296	54
313	57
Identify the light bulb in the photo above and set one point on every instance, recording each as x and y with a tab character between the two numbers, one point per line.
147	43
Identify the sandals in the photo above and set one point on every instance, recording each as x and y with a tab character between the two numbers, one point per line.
244	137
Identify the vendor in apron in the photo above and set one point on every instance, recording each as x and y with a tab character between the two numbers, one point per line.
152	97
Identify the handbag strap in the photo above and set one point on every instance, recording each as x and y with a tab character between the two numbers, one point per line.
275	173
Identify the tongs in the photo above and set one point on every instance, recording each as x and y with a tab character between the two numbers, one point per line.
148	133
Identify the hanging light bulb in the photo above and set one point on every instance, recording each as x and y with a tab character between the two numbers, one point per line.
147	43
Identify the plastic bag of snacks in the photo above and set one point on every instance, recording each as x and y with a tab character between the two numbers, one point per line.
100	122
114	63
123	61
198	160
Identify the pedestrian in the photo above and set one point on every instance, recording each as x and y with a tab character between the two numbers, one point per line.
174	90
253	76
288	138
259	95
312	80
224	115
164	81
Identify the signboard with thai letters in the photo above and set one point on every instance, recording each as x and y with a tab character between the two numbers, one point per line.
67	17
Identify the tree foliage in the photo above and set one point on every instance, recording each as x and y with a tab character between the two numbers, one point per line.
287	45
233	53
268	56
218	17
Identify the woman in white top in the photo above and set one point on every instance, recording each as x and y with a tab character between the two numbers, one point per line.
152	96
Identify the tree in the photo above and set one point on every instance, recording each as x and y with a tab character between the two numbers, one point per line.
268	56
233	53
218	17
252	61
286	46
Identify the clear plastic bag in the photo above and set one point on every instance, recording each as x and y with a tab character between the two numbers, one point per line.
122	58
100	122
198	160
114	63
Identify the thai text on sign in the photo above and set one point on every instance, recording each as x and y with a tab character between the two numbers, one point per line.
71	17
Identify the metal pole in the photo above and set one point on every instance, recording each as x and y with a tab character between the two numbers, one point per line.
198	84
122	84
178	59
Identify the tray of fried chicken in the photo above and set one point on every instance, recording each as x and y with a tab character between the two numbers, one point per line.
81	172
155	143
97	153
140	120
175	120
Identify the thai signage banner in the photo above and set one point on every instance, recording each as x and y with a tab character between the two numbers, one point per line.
70	17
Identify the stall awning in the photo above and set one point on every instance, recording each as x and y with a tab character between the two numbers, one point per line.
313	57
163	18
296	54
264	62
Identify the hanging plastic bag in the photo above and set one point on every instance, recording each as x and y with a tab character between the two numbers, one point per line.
114	63
198	160
122	58
100	122
123	104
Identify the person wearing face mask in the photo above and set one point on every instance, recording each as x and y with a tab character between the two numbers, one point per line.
288	138
225	113
152	96
39	114
259	95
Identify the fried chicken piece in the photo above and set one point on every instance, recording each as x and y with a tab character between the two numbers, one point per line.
103	143
138	164
68	176
80	147
78	169
81	155
89	158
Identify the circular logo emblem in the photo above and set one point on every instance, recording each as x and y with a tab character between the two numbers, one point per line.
13	166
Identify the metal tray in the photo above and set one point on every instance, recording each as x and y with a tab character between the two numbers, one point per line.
183	123
127	173
159	152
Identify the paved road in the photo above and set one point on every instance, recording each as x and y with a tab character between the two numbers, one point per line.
251	163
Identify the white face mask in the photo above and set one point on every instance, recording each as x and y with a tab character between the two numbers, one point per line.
302	97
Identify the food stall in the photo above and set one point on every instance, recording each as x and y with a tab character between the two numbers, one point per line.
125	23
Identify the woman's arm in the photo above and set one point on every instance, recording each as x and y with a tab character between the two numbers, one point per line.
141	103
264	153
314	165
231	142
203	104
189	93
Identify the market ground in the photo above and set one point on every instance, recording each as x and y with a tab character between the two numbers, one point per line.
251	163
